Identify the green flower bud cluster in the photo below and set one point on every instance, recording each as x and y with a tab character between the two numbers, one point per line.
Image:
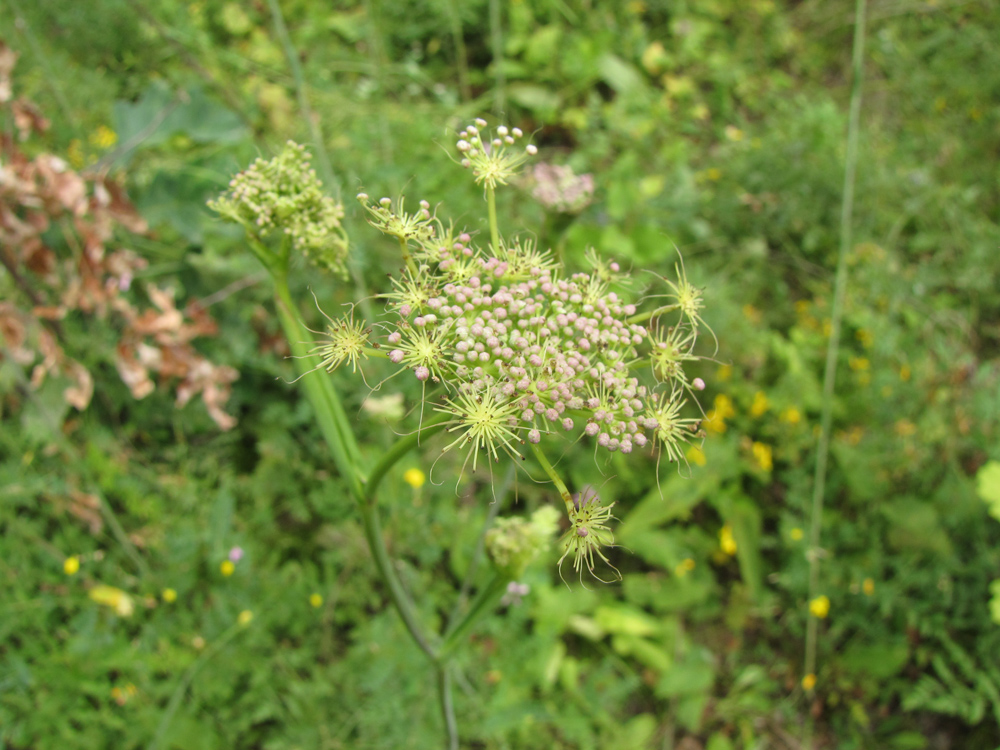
513	543
284	195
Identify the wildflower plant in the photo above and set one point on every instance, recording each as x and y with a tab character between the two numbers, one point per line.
514	355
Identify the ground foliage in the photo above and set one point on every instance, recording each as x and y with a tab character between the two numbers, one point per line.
715	128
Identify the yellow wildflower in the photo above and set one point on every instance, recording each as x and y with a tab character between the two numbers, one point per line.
696	455
820	606
791	415
905	428
315	600
796	534
724	373
245	617
114	598
726	540
763	456
684	567
198	642
733	133
71	565
227	567
865	337
760	404
751	313
169	595
713	173
104	137
904	372
868	586
415	478
859	364
75	153
809	682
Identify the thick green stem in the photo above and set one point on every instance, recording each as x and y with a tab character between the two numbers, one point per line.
491	203
405	250
830	373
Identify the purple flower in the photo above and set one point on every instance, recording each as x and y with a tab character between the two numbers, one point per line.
236	554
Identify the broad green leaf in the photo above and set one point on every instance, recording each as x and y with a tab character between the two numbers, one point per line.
988	487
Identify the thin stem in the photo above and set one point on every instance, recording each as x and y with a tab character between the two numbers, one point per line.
291	54
830	373
496	36
482	604
491	203
477	554
447	706
642	317
404	249
400	600
397	451
549	469
461	54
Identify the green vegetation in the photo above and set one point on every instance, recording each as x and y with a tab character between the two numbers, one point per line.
190	551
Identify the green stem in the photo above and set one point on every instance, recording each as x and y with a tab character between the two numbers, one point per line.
491	203
549	469
483	603
461	54
399	449
642	317
329	412
447	705
291	54
496	38
830	373
404	248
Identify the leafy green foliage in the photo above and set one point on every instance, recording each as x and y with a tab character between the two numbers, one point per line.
714	127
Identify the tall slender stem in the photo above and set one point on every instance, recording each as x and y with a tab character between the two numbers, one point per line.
830	373
491	204
496	37
461	54
447	705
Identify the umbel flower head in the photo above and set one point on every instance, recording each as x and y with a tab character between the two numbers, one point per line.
514	351
284	195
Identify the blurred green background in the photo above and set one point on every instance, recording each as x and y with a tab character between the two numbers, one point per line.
717	128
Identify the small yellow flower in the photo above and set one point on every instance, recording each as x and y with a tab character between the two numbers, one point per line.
71	565
103	137
760	404
245	617
724	373
726	540
316	601
791	415
904	372
700	112
868	586
684	567
696	456
809	682
733	133
169	595
227	567
114	598
865	337
905	428
820	606
796	534
859	364
763	456
198	642
75	153
415	478
713	173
